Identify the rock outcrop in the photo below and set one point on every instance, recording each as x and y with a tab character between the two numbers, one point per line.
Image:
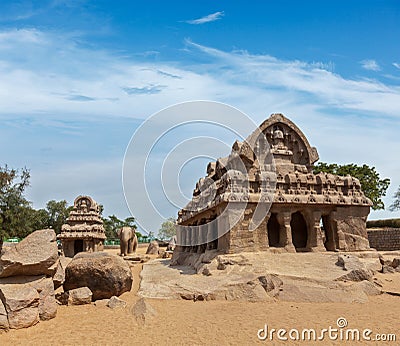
153	248
26	283
143	311
116	303
37	254
356	275
106	275
21	303
79	296
3	317
390	266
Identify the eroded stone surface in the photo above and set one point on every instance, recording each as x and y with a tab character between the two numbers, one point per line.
294	201
79	296
21	302
153	248
47	307
257	276
36	254
106	275
3	317
116	303
143	311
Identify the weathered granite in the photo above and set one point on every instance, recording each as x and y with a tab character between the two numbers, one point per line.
265	196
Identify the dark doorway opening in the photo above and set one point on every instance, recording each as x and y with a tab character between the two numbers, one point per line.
330	241
299	231
273	230
78	246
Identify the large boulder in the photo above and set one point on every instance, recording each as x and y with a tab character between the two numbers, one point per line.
3	317
27	299
37	254
106	275
47	301
21	302
153	248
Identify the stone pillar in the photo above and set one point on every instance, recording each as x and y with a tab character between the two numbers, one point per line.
341	239
285	235
315	240
202	239
179	239
210	237
189	239
260	234
193	245
186	239
223	233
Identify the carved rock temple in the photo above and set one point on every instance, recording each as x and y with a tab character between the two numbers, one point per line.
300	210
83	230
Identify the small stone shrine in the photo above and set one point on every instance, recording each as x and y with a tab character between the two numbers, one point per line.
83	230
303	211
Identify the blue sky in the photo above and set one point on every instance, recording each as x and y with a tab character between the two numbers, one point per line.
78	77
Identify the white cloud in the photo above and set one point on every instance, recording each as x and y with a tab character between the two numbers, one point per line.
206	19
348	120
370	65
397	65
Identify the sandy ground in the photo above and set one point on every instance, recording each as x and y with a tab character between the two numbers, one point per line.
179	322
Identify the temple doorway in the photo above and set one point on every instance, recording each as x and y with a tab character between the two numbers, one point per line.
330	241
273	231
299	231
78	246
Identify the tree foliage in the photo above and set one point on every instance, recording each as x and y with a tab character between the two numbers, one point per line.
371	184
15	210
57	213
18	218
396	203
113	223
168	229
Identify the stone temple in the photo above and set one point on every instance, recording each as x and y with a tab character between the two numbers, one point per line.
83	231
294	209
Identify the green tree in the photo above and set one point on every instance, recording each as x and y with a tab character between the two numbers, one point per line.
113	223
168	229
371	184
39	219
396	203
15	209
57	213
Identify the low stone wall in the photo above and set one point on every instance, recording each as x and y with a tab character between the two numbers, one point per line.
384	239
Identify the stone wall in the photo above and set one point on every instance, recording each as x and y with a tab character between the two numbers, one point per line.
384	239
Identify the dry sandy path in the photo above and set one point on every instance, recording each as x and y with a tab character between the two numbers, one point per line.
179	322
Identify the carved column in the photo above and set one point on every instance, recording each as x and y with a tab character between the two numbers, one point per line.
179	239
202	239
315	240
221	223
285	236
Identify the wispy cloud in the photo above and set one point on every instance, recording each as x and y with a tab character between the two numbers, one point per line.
370	65
167	74
339	115
149	89
206	19
81	98
397	65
